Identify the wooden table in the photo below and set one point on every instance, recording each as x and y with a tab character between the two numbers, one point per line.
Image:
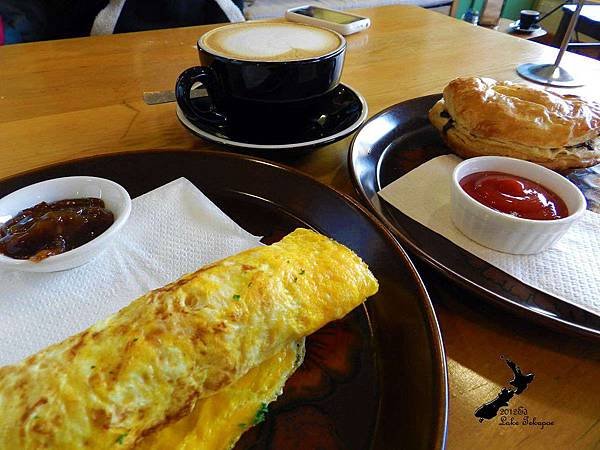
74	98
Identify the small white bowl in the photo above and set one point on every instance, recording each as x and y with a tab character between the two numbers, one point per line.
504	232
115	198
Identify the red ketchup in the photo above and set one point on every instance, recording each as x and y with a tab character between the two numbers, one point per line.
514	195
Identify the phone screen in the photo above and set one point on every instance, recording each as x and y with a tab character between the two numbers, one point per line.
330	16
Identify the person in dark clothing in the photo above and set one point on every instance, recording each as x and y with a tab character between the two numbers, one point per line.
34	20
148	15
23	21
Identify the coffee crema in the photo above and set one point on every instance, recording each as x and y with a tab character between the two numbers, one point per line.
265	41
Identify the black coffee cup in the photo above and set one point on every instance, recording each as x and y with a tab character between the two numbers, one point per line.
528	18
239	86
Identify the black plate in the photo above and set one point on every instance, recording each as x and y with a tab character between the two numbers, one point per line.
327	119
400	139
375	380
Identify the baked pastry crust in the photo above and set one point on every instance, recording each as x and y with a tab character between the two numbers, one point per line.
507	119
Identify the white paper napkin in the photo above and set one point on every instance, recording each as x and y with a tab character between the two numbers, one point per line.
569	270
172	230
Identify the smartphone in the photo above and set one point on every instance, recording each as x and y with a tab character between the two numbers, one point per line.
342	22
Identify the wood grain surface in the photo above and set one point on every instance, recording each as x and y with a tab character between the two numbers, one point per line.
74	98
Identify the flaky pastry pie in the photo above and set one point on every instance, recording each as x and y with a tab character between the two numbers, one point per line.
480	116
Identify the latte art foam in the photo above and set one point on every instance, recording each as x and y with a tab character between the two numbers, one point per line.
270	42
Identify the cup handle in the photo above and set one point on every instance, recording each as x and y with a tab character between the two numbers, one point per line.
183	87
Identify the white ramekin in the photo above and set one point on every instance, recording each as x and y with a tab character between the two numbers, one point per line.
115	198
504	232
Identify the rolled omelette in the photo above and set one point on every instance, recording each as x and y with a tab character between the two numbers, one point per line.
217	422
146	366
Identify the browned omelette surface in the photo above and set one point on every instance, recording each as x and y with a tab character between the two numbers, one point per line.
148	364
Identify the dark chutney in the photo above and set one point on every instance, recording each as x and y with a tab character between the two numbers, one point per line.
48	229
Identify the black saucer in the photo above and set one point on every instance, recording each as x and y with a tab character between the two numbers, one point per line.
516	26
329	119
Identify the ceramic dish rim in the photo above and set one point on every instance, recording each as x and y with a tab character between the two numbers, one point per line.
191	127
101	240
571	217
